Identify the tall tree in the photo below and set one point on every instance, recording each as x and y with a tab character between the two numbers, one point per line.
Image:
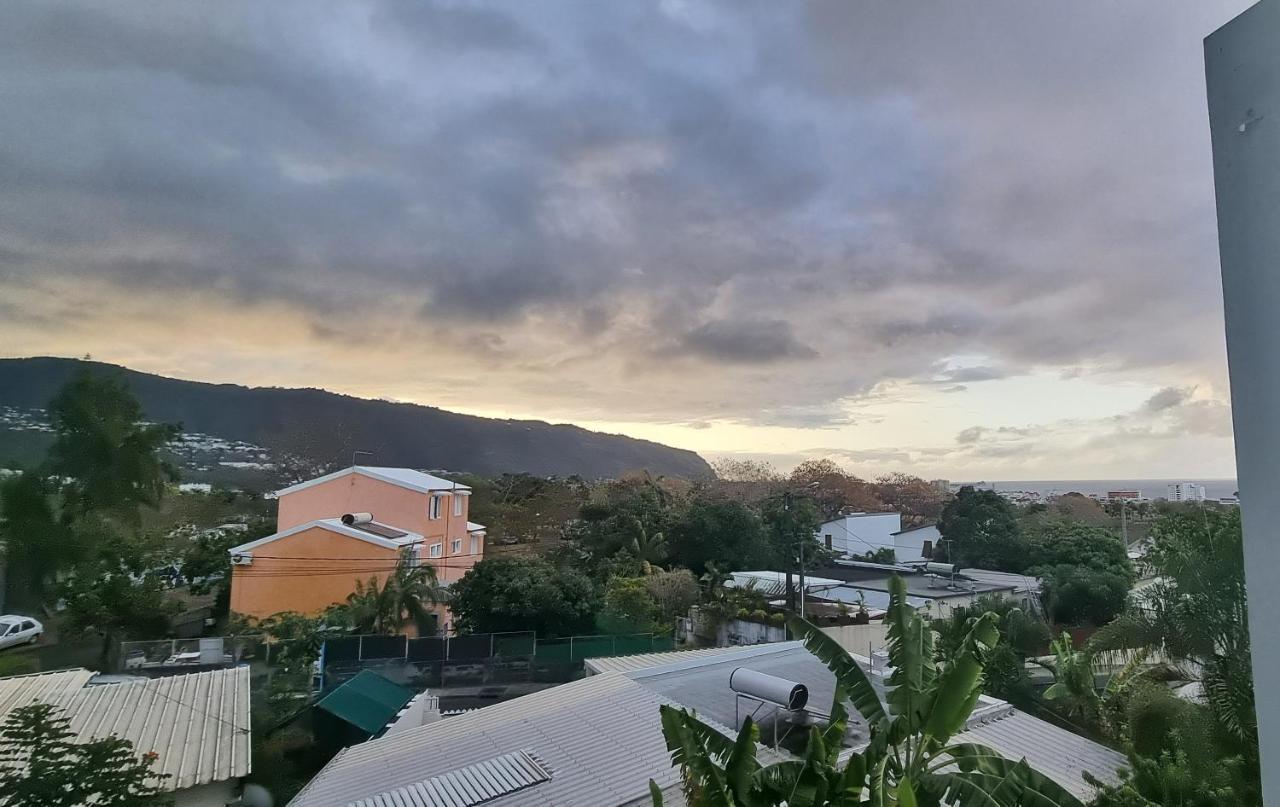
979	530
115	592
716	530
36	544
513	594
40	764
105	450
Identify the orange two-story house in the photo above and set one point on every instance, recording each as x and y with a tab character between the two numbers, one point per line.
352	525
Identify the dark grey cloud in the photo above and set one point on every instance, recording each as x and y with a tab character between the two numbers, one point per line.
745	341
802	201
1168	398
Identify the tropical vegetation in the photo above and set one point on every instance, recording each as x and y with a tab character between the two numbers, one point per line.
911	757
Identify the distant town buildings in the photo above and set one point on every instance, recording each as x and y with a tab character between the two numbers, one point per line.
1125	495
1186	492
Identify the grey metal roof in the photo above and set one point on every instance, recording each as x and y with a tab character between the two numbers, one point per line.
479	783
641	661
197	724
1057	753
703	685
600	737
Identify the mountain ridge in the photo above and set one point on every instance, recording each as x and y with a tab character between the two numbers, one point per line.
325	427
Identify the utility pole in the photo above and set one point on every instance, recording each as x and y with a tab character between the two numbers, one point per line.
1124	525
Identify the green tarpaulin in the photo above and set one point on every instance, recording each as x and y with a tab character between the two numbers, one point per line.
367	701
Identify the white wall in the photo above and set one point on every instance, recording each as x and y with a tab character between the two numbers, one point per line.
860	534
1242	65
909	546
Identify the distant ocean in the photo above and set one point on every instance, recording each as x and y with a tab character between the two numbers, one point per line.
1150	488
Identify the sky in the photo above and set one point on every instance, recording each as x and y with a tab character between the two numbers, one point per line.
973	240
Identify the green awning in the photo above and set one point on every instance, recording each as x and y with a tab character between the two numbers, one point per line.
367	701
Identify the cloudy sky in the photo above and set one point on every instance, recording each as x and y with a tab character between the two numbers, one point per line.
969	239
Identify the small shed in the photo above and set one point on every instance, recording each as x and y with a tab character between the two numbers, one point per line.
360	708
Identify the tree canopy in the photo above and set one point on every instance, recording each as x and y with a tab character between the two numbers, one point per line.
514	594
979	530
107	452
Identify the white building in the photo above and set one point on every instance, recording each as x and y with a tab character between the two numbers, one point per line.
860	533
1186	492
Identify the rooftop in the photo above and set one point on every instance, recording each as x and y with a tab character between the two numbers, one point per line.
368	701
383	535
197	724
403	477
599	739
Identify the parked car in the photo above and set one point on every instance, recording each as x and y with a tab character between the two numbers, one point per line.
15	630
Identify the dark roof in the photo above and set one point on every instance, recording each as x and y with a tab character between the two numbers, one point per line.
367	701
917	527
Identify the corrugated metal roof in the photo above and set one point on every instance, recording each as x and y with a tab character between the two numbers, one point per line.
475	784
20	690
401	477
640	661
368	701
197	724
600	737
1054	752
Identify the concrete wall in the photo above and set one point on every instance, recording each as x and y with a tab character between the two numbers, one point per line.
859	534
860	640
306	572
214	794
1242	67
909	546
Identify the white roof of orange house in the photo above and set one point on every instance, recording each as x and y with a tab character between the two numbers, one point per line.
196	724
402	477
390	538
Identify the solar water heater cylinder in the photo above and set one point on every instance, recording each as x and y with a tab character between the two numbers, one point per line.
769	688
357	518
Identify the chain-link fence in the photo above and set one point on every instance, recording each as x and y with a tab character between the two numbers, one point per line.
484	662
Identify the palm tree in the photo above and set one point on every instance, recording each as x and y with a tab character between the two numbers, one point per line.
910	759
404	596
649	548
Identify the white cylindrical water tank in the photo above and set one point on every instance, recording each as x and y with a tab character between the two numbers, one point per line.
941	568
357	518
769	688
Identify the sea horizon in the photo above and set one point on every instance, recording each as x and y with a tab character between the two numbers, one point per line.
1149	488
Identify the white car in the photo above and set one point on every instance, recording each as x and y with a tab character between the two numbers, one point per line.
16	630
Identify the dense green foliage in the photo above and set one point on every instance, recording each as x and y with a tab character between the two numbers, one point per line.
1021	635
41	764
515	594
107	455
910	759
979	530
387	605
1196	614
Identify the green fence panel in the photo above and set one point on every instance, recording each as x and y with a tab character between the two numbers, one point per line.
593	646
514	644
634	643
553	650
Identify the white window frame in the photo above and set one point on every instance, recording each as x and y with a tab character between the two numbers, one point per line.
475	543
457	505
437	550
455	546
433	509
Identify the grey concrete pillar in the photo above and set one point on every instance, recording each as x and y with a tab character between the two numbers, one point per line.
1242	67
